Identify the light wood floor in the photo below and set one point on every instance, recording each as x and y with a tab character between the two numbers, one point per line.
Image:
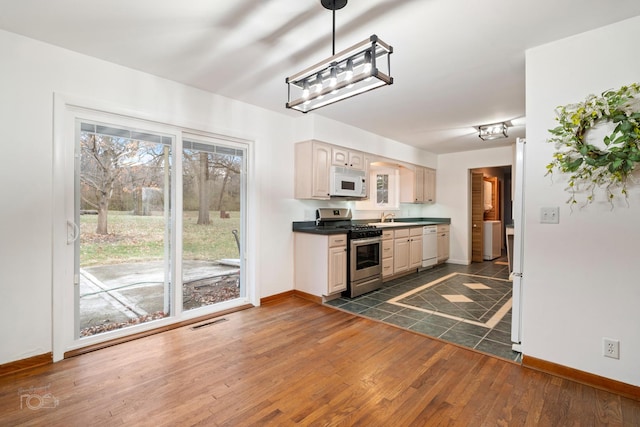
295	362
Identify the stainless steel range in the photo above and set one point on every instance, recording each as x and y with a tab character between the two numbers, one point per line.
364	249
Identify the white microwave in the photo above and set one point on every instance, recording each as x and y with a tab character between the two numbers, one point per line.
347	182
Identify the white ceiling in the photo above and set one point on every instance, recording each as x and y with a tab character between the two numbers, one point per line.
456	63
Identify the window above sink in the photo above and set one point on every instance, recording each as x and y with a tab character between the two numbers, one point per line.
384	188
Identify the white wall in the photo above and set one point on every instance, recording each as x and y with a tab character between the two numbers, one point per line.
31	73
453	194
580	277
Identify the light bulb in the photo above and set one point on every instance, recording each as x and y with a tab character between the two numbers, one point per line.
367	61
319	85
333	77
348	75
305	90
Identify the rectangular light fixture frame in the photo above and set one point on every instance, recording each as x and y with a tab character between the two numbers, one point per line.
304	94
492	131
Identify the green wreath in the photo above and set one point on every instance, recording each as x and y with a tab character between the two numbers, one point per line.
590	166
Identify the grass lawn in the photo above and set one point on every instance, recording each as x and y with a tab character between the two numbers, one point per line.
135	238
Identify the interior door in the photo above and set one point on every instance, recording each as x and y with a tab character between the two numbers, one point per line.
477	216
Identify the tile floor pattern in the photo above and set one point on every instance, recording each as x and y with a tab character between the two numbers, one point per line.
431	302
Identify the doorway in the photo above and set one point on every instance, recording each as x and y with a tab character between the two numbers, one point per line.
491	211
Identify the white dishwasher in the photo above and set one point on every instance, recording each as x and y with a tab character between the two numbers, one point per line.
429	245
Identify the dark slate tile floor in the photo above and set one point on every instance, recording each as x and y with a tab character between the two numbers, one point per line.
495	340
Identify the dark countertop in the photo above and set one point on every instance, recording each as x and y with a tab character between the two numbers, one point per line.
310	226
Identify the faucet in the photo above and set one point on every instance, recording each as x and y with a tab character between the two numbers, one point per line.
384	217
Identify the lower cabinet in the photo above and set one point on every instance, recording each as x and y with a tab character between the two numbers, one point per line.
387	253
320	263
337	269
443	242
407	249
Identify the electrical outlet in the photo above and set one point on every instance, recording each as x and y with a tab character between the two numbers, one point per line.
611	348
550	215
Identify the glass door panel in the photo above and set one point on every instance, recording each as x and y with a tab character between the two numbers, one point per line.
123	209
213	193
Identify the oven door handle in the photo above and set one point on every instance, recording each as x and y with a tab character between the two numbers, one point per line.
366	241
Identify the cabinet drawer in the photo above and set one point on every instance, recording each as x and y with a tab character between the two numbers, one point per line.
337	240
387	249
387	234
415	231
401	233
387	267
442	228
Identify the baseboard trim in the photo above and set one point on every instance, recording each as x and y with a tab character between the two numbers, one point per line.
276	297
22	364
308	297
161	329
596	381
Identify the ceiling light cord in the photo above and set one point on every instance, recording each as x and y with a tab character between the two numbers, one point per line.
333	46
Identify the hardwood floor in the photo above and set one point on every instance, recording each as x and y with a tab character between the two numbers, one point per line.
295	362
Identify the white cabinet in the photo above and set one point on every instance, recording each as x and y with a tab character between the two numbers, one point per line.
407	249
320	263
417	185
387	253
313	160
443	242
401	248
312	163
344	157
429	185
337	269
415	248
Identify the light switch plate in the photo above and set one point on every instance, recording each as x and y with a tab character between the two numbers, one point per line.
550	215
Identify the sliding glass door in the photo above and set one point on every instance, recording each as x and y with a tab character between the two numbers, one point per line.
213	191
150	226
123	210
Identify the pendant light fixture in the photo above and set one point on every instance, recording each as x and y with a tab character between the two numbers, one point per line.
358	69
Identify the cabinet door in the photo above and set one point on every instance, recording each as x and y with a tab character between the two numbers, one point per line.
415	253
401	248
443	246
339	156
429	185
320	166
347	158
356	160
337	269
419	188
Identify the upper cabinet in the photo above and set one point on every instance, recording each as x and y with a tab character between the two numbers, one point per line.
389	182
429	185
312	163
417	185
347	158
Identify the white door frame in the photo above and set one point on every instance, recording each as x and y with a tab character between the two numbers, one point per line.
518	244
64	231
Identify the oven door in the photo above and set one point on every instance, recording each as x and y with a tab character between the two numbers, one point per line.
364	261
